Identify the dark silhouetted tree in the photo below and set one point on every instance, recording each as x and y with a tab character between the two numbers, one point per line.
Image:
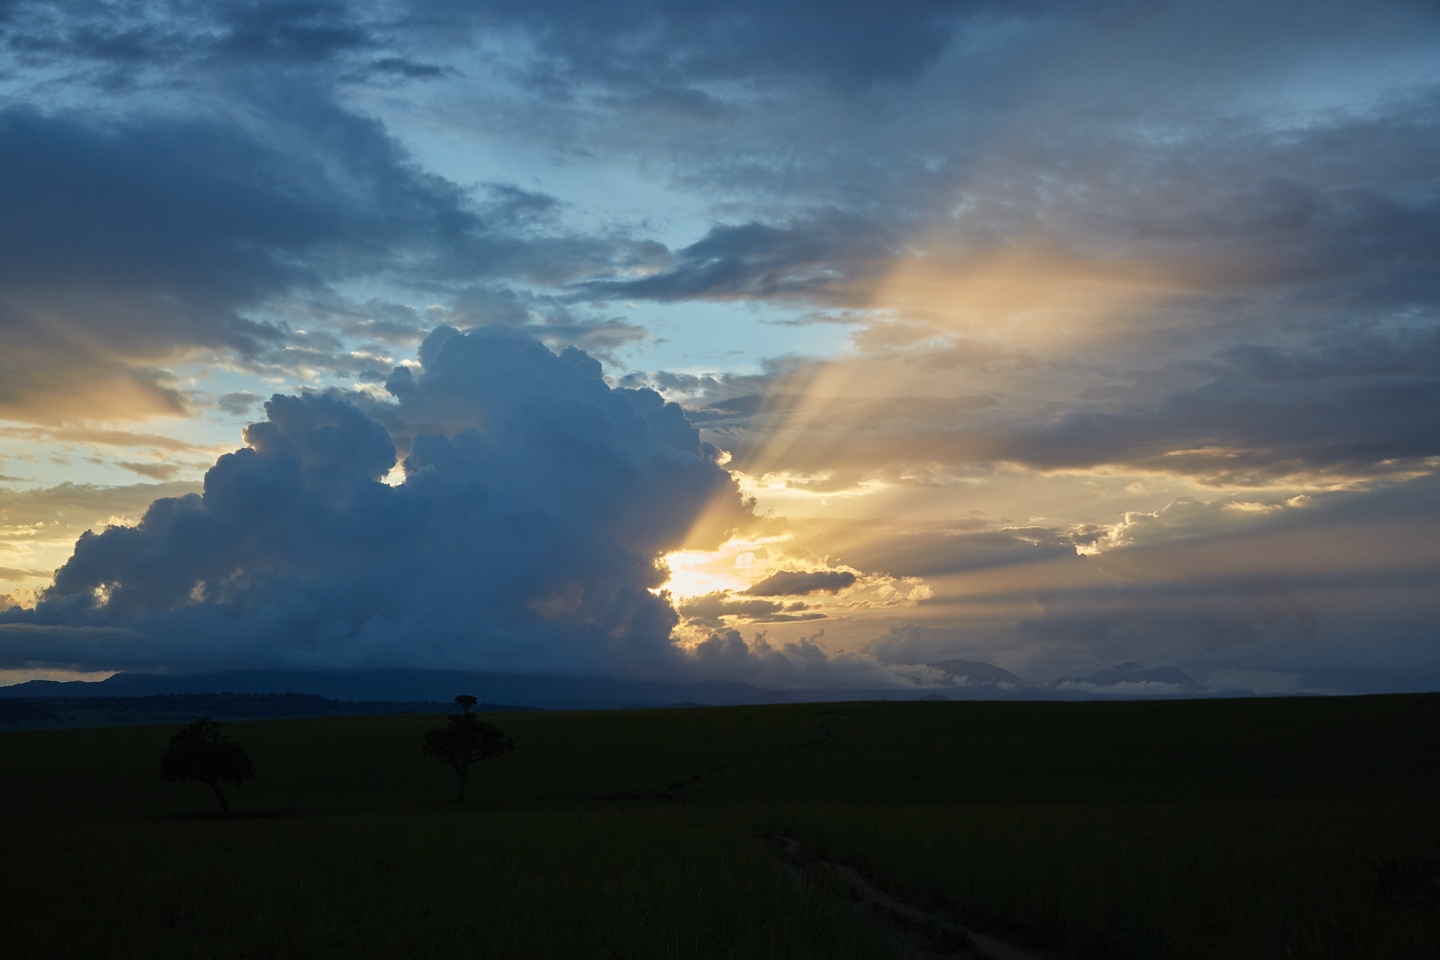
201	752
465	740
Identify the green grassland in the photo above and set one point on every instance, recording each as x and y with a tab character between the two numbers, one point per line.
1197	829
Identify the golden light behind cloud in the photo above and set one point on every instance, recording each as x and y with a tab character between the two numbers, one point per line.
1021	296
733	566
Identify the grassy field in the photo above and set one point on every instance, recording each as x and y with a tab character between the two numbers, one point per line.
1198	829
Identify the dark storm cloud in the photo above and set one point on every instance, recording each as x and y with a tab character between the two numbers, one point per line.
1035	121
1048	134
545	316
1365	353
131	242
636	44
1343	202
128	243
822	259
712	609
199	209
288	31
1363	408
1328	409
930	552
734	393
796	583
1220	587
155	471
285	33
238	403
911	643
525	535
1291	584
860	414
1167	620
639	42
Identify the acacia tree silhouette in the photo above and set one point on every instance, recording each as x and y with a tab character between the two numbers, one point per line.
201	752
465	740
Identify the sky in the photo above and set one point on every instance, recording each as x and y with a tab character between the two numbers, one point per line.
802	343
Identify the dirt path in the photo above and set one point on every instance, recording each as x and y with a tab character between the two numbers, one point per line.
921	934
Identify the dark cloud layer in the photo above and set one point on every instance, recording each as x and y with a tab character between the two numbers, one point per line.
797	583
1345	579
1189	244
525	535
1263	419
831	257
711	609
633	43
639	42
1347	408
134	241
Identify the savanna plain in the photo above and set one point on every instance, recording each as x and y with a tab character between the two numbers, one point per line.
1261	828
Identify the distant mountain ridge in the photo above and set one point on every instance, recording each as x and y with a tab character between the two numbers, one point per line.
976	672
1135	674
550	692
971	680
93	710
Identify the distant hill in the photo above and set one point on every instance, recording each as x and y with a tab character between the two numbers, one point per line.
1132	677
969	680
184	707
975	672
550	692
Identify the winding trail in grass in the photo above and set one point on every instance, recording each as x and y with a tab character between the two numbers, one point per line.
956	940
940	937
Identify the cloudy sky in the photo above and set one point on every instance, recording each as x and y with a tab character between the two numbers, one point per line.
799	342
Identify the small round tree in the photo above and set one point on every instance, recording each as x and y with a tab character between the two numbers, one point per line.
201	752
464	741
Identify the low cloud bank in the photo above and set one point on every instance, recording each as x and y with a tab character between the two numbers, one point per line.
525	535
538	504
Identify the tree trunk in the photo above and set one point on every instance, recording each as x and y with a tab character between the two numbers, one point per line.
461	778
224	806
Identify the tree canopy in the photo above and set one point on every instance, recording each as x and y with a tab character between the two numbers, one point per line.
201	752
464	741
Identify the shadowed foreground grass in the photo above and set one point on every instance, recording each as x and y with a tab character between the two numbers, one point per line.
577	883
1237	829
1125	881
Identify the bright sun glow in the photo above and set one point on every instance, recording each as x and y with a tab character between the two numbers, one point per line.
738	563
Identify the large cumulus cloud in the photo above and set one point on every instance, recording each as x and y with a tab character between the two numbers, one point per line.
535	505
